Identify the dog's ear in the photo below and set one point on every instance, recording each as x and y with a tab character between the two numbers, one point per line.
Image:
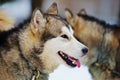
53	9
37	20
70	17
82	11
68	14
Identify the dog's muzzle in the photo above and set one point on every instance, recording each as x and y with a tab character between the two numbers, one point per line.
69	60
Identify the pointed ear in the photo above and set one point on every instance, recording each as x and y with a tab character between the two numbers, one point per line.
68	14
82	11
53	9
37	20
71	18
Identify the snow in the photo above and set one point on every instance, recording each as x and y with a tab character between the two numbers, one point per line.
66	73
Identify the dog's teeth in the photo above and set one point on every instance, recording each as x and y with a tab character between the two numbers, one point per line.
61	52
73	62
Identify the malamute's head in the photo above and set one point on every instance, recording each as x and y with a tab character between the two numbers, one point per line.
55	36
86	31
90	31
60	46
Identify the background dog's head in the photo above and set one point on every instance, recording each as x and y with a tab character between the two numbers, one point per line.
90	31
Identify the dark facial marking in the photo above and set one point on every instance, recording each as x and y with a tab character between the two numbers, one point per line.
47	36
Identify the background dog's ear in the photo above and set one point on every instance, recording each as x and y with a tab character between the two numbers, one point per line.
71	18
83	12
68	14
37	20
53	9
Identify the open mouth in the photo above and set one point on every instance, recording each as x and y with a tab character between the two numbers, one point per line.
69	60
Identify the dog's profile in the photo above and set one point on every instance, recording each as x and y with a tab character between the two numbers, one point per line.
103	41
33	51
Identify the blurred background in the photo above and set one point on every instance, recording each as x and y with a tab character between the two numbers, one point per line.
108	10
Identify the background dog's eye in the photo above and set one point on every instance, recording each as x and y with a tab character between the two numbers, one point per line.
64	36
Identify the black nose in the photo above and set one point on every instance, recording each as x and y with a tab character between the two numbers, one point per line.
85	50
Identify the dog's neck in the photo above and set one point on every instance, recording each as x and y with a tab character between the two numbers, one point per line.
106	69
105	60
16	65
36	73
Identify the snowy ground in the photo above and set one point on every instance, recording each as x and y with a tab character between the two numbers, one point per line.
65	73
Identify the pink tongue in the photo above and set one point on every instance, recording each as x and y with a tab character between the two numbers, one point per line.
76	61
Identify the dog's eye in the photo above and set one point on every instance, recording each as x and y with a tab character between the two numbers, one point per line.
65	36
